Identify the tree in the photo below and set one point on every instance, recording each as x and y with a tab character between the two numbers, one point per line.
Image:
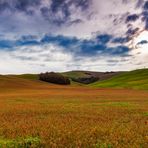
52	77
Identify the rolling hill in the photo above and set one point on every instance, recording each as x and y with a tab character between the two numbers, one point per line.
74	75
87	77
137	79
28	76
17	82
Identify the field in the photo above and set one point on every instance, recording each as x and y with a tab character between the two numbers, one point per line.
38	114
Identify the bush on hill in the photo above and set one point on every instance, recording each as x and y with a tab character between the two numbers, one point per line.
56	78
86	80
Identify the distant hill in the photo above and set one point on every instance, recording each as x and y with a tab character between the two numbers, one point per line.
28	76
80	76
29	80
74	75
137	79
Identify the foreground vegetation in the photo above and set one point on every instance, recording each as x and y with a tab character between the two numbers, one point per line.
38	114
35	114
137	79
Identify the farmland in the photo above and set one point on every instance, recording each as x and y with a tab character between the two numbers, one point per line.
38	114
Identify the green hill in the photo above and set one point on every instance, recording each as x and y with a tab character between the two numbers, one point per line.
74	74
28	76
137	79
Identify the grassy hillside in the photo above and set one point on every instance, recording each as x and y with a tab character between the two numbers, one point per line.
7	81
137	79
74	74
88	77
28	76
13	82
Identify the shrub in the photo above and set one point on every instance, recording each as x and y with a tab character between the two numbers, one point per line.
21	143
86	80
56	78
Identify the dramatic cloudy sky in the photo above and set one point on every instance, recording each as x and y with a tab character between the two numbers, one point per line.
62	35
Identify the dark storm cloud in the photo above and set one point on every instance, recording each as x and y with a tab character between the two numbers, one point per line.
60	40
60	4
142	42
57	17
145	5
104	38
76	21
132	31
29	37
4	5
145	14
23	41
120	40
6	44
97	45
139	3
59	12
145	18
132	18
78	47
19	5
27	41
24	4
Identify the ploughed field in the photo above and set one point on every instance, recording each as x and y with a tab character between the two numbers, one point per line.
38	114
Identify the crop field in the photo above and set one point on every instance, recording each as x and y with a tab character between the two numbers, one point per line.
47	115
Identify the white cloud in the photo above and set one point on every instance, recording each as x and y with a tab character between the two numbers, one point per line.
104	12
36	59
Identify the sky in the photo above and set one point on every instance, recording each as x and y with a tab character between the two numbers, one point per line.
62	35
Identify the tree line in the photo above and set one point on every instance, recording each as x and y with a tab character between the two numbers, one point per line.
53	77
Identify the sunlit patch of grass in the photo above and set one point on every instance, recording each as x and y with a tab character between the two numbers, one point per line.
115	104
28	76
119	104
28	142
20	100
103	145
137	79
145	114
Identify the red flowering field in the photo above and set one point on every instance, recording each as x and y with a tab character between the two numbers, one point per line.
47	115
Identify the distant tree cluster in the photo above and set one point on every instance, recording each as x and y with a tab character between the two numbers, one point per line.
86	80
53	77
